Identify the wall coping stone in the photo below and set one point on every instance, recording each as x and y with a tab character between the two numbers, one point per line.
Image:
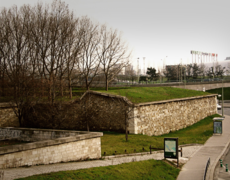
146	103
125	99
39	144
173	100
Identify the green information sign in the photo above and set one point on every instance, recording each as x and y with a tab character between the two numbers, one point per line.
171	148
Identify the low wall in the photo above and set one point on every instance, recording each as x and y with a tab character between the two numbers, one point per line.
157	118
203	86
32	134
80	146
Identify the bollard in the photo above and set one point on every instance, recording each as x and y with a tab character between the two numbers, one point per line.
104	153
221	163
226	167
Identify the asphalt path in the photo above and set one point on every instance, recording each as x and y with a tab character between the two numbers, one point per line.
226	111
222	171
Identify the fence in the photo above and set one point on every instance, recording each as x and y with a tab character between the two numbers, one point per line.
206	168
124	83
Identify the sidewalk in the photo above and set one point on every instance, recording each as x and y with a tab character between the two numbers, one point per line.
214	148
14	173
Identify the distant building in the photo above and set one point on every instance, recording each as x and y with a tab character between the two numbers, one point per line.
227	58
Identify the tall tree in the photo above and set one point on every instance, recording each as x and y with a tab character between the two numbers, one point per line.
171	72
152	73
195	71
54	34
113	54
16	47
89	63
219	71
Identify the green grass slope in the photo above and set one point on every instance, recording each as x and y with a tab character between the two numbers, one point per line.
148	94
150	169
196	133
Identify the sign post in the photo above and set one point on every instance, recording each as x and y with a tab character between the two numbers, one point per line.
171	149
218	125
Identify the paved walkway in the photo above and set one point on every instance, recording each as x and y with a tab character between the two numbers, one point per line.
14	173
214	148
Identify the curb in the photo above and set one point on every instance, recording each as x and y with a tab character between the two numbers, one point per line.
216	162
146	153
211	172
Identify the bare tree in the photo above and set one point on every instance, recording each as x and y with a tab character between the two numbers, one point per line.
16	48
72	56
129	71
89	63
113	54
228	69
219	71
56	42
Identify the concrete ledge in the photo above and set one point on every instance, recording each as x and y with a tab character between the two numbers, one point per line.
76	136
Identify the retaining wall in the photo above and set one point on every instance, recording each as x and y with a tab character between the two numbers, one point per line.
106	112
80	146
157	118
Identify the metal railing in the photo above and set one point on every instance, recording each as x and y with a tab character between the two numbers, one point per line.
144	83
206	168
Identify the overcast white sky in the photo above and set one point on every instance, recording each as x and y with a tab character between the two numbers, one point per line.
158	28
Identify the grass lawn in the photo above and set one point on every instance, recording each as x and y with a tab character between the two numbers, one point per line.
197	133
148	94
134	94
150	169
219	91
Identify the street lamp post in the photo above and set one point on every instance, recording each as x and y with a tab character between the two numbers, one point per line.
222	99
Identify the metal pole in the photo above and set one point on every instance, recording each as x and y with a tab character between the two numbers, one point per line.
185	77
222	99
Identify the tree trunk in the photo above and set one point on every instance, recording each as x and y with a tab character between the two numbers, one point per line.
70	90
3	84
107	83
62	94
126	130
86	84
19	117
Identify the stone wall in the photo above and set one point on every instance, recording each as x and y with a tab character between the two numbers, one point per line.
102	112
73	148
7	116
106	112
157	118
